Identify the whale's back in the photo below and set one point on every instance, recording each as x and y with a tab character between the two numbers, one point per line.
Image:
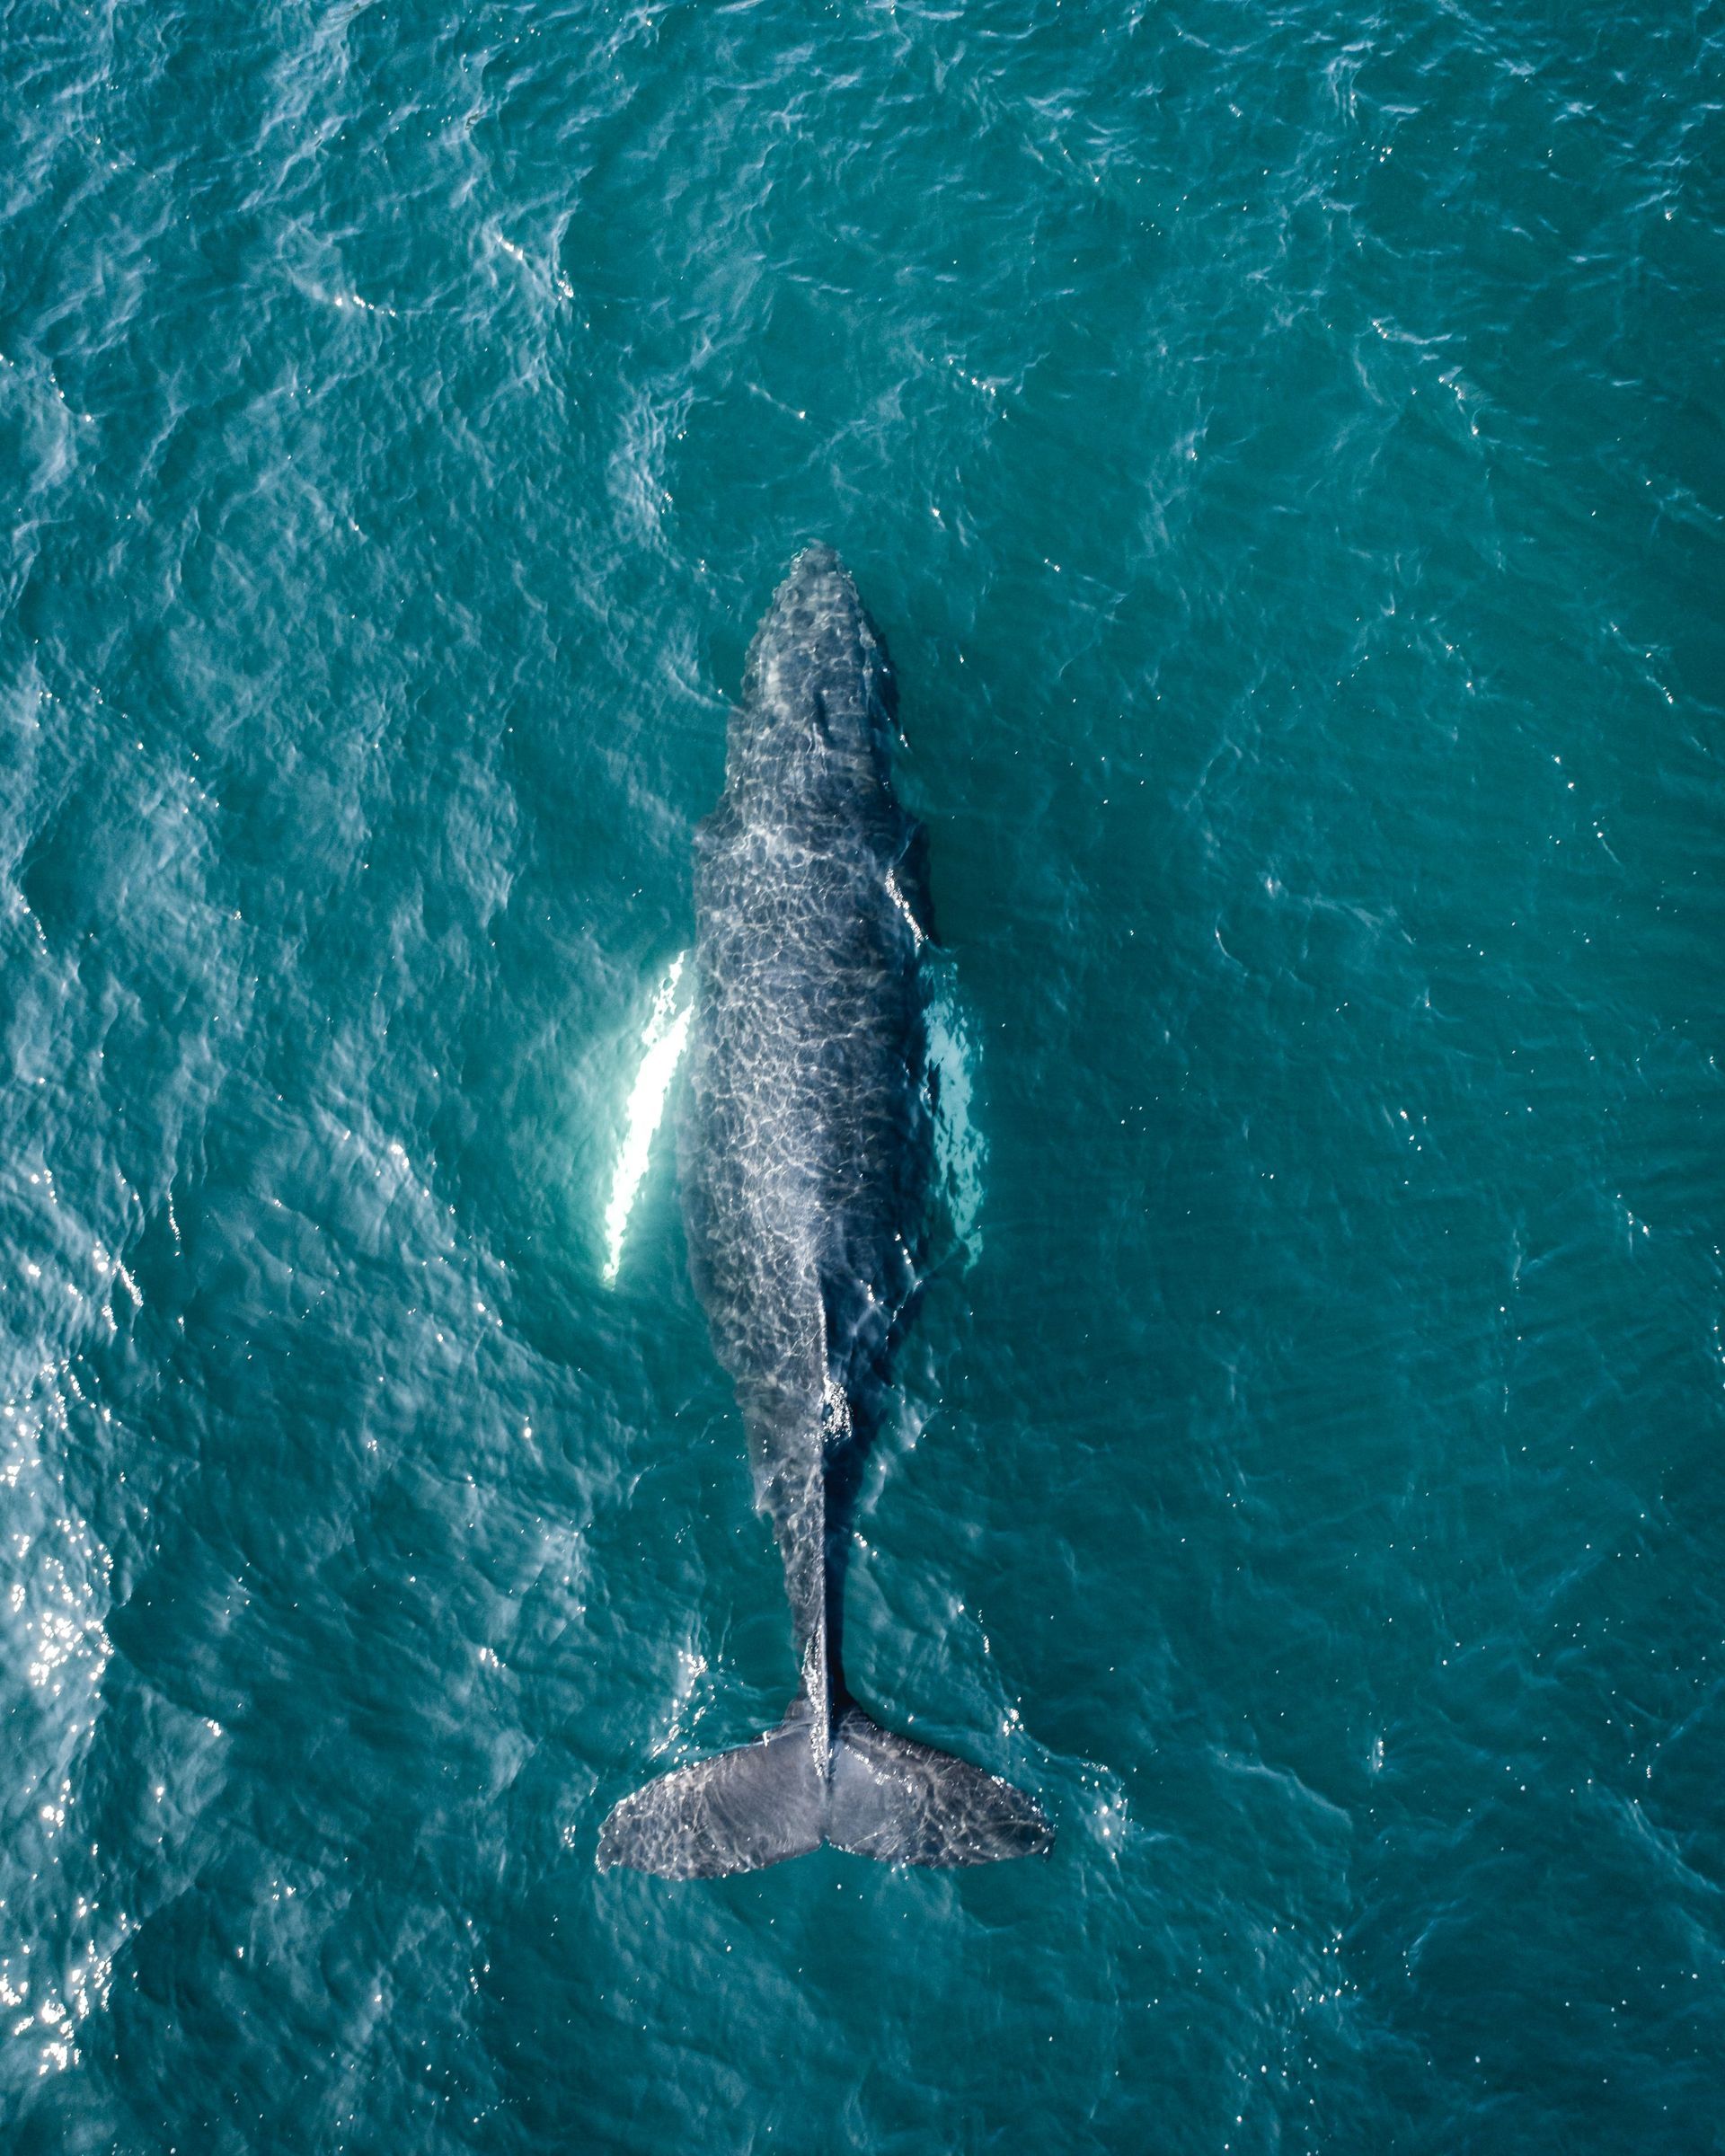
806	1140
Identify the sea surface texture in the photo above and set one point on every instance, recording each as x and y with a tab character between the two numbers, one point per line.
1283	446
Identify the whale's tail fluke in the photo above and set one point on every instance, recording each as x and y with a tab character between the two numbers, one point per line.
877	1795
754	1806
905	1802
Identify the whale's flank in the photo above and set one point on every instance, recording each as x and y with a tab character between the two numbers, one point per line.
806	1155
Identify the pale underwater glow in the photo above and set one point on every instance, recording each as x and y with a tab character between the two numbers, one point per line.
960	1155
662	1043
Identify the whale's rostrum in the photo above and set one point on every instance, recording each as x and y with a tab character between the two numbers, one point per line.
805	1150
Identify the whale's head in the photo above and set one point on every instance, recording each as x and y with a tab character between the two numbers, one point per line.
820	700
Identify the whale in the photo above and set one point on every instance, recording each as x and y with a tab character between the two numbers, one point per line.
805	1155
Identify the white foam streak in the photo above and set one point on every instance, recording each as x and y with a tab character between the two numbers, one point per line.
661	1051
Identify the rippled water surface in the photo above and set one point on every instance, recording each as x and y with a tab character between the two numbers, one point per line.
1286	450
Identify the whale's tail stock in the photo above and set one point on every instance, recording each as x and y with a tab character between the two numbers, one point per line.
877	1794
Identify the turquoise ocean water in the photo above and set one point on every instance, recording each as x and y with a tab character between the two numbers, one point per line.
1284	449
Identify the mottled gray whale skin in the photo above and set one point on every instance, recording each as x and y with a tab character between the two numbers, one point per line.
805	1155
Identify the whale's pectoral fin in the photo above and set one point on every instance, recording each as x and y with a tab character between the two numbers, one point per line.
905	1802
754	1806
